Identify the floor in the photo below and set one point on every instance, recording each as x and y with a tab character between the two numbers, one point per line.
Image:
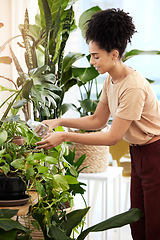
96	215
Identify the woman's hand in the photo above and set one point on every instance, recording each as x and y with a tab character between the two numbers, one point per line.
51	140
51	123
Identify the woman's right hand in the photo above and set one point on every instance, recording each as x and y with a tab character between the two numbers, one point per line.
51	123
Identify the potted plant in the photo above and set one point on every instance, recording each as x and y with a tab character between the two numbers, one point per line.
62	226
13	164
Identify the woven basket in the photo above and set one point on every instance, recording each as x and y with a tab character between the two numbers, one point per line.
97	157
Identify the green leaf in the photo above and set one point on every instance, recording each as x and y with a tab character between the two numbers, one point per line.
117	221
3	136
20	103
5	168
73	170
29	172
39	156
9	224
85	17
71	179
85	74
42	169
57	233
79	162
40	189
27	89
61	180
18	163
9	235
51	160
136	52
2	152
36	72
89	105
65	107
7	213
73	219
71	58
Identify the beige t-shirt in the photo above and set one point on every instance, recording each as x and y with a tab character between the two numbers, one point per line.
133	99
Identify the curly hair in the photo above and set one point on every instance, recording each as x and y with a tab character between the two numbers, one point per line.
111	29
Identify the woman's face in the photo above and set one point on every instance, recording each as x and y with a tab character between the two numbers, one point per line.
100	59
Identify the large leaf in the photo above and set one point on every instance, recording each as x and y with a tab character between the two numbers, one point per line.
57	233
89	105
85	74
7	213
85	17
73	219
9	235
9	224
117	221
136	52
71	58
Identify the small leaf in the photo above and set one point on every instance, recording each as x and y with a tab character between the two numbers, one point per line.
3	136
40	189
29	173
5	168
73	170
42	169
20	103
51	160
27	89
62	182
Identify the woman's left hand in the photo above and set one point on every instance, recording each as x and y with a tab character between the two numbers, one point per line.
51	140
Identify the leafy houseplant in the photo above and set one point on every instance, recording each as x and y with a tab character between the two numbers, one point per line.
61	227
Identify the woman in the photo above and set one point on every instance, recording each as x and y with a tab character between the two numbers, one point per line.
128	97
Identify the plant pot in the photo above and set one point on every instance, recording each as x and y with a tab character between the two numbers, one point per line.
12	188
97	157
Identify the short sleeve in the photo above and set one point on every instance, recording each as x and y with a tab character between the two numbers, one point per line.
104	97
131	103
